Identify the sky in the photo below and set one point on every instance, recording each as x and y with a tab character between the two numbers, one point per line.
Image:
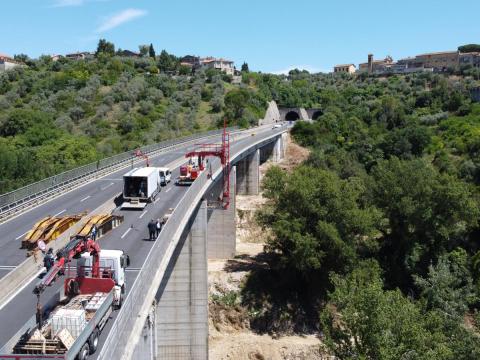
271	36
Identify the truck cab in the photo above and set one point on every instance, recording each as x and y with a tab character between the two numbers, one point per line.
165	175
116	260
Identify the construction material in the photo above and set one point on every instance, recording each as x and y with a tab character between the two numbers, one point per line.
48	229
103	222
72	320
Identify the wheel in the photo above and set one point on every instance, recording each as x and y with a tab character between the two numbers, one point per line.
84	352
120	303
93	341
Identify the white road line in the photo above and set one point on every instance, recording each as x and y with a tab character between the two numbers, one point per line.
156	200
61	212
6	267
109	179
125	233
19	236
85	198
143	214
133	269
19	290
168	189
105	187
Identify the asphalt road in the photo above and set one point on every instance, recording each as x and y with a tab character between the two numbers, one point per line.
131	236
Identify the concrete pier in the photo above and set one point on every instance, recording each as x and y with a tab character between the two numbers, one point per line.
181	320
248	179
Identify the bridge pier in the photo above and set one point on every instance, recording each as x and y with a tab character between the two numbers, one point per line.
181	321
248	176
221	223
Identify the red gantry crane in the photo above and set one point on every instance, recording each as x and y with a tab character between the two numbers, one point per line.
222	151
139	153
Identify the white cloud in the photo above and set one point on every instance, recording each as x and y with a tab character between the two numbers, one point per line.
309	68
120	18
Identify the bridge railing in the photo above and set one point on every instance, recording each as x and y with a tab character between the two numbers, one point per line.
34	190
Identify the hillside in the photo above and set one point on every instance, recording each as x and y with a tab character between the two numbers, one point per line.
57	115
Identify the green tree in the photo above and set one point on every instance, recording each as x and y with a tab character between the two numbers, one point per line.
151	51
469	48
143	49
428	214
363	321
105	47
245	68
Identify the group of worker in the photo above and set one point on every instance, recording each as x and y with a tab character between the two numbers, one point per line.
154	228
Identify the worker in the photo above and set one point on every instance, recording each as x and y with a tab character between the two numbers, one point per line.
94	232
152	228
158	227
49	260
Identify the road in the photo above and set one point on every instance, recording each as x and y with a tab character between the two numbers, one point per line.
131	236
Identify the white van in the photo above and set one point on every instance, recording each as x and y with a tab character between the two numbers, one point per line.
165	175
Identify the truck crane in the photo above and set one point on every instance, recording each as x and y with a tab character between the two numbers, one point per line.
76	316
74	249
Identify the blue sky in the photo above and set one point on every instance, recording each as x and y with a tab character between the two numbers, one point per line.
272	36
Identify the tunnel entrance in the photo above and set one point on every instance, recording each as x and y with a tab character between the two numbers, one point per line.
317	114
292	116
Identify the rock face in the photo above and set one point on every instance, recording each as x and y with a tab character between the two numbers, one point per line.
230	336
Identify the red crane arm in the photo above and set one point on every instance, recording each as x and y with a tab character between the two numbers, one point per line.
73	249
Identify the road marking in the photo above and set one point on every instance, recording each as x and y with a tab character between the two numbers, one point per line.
133	269
125	233
25	233
6	267
156	200
61	212
168	189
143	214
85	198
19	290
106	187
109	179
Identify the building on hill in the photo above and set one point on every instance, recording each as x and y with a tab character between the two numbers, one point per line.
375	66
472	59
439	61
84	55
191	61
345	68
475	94
7	62
220	64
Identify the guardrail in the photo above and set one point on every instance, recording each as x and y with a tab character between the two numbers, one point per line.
17	200
133	313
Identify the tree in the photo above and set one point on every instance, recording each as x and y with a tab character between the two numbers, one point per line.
316	219
105	47
428	214
151	51
363	321
469	48
245	67
143	49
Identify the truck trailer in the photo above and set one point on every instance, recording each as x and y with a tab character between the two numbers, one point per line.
73	318
140	186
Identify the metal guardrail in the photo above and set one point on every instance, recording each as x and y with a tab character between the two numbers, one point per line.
156	261
57	182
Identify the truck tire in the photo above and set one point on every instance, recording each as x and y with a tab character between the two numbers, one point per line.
120	303
84	352
93	341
